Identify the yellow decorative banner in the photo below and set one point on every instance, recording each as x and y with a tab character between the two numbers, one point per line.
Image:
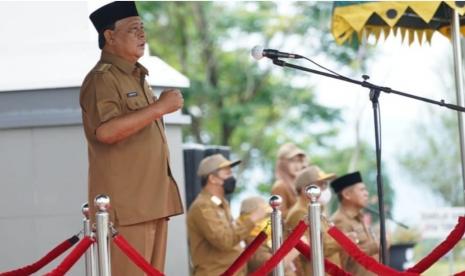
410	17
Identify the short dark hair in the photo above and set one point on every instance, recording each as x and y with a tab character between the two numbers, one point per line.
101	37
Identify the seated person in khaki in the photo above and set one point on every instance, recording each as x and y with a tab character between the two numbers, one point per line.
312	175
264	252
353	197
214	237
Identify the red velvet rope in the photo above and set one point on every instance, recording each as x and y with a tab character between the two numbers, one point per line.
121	242
330	267
290	242
452	239
72	258
246	254
52	255
366	261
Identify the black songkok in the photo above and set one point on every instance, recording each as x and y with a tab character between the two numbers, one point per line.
110	13
345	181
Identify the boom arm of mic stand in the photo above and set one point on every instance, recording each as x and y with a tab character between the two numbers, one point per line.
369	85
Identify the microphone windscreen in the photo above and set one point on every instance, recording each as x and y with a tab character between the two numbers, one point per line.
257	52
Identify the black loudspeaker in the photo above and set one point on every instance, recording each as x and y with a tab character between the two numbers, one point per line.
401	255
193	154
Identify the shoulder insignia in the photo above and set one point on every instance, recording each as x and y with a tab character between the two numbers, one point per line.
103	67
216	200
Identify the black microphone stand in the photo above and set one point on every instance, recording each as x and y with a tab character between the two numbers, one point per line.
375	92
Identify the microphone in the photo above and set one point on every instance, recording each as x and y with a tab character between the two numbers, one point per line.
258	52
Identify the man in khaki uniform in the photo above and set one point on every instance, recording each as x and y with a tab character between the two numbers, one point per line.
127	149
214	238
312	175
353	197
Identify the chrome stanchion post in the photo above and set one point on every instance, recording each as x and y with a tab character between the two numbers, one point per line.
314	213
276	231
91	253
102	202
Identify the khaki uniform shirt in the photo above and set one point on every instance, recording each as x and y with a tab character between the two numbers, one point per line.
287	194
135	172
214	238
262	255
331	249
348	222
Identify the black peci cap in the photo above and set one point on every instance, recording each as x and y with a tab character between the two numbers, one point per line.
345	181
110	13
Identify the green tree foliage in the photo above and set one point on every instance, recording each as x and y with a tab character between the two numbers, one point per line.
435	160
234	100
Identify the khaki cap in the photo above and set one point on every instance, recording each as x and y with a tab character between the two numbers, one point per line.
289	150
251	204
311	175
214	162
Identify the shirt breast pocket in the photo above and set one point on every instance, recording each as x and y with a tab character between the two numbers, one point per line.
136	103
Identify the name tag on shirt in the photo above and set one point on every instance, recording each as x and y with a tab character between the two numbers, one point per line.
131	94
216	200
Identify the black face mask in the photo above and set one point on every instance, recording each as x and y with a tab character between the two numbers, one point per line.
229	185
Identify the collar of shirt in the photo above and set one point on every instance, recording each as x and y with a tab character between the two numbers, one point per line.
302	203
122	64
357	215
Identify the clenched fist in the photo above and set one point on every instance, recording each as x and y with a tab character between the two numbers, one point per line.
170	100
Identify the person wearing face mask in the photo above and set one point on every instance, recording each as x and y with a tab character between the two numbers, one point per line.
290	161
214	237
353	197
313	175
